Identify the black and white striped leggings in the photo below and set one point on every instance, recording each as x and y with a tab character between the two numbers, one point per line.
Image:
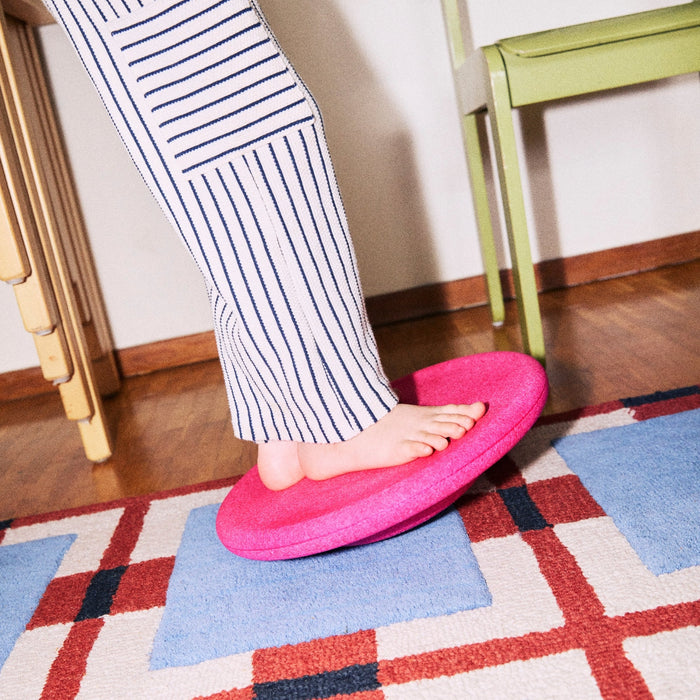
231	144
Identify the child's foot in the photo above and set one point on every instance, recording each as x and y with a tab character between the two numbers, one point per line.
402	435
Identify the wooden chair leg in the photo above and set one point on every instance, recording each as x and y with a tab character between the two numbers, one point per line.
70	225
501	119
483	218
472	148
36	181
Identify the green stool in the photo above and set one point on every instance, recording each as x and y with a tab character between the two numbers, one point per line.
544	66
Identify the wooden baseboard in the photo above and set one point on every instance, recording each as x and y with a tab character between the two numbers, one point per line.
22	383
401	306
413	303
166	354
131	362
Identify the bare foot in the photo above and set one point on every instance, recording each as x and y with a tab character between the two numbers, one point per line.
402	435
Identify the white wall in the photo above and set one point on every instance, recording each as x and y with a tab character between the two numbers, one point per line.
604	171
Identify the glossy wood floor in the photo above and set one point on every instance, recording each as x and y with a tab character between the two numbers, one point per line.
607	340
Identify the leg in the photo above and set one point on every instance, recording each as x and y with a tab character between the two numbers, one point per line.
483	218
231	144
499	109
472	149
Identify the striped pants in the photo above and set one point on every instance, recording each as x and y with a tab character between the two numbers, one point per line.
231	144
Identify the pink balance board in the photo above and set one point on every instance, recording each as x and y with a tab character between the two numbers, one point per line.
370	505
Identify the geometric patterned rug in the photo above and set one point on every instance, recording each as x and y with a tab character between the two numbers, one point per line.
571	569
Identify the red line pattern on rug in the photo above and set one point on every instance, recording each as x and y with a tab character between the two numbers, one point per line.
512	504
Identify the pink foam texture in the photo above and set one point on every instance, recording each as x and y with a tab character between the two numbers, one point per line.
367	506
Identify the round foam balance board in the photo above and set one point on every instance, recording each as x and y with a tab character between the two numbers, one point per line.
370	505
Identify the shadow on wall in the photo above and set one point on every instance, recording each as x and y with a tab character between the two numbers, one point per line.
370	144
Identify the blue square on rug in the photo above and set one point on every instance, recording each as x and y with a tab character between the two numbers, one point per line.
646	476
26	569
219	604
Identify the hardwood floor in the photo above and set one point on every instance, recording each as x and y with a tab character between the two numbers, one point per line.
606	340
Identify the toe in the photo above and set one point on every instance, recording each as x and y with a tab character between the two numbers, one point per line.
476	410
454	427
436	441
421	449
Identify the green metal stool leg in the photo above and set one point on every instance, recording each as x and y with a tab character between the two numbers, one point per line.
483	218
501	118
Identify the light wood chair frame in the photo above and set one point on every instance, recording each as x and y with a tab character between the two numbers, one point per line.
44	250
